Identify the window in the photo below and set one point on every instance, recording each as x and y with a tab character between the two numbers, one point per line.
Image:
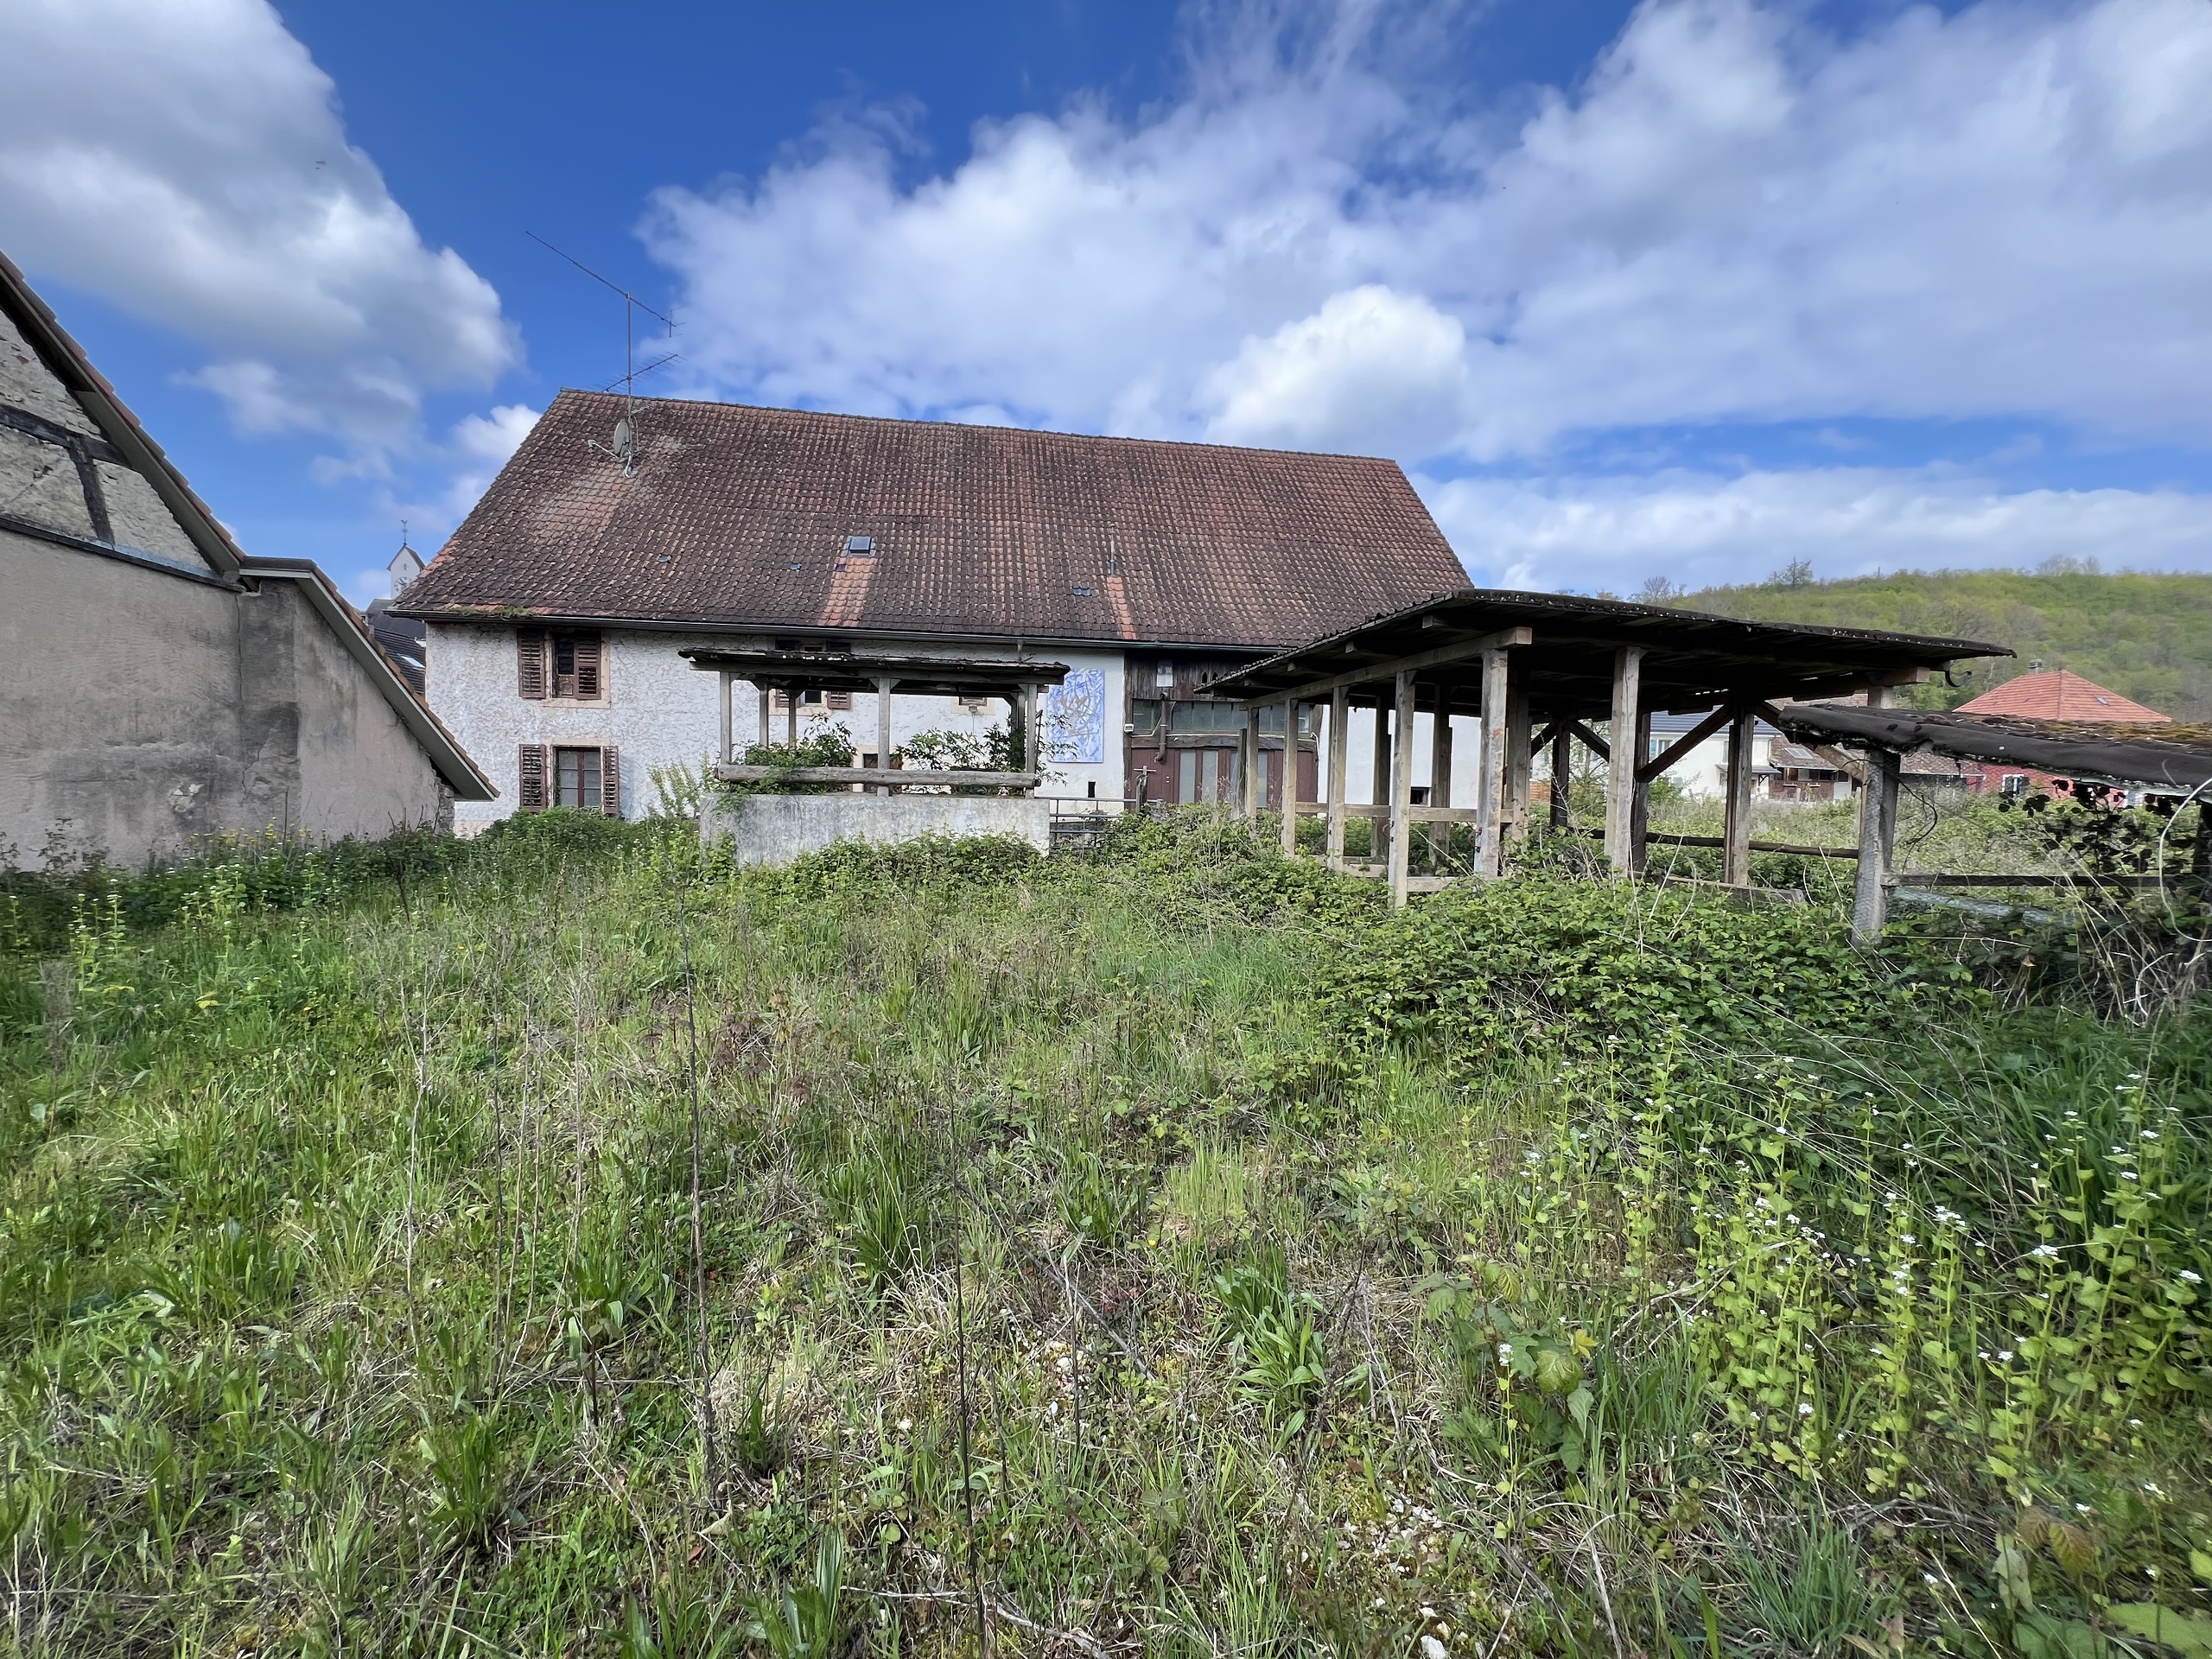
1144	715
1271	719
586	780
971	705
569	664
575	779
1164	677
840	702
1205	717
2015	784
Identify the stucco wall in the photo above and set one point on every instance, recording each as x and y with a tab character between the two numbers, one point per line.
659	710
777	829
141	711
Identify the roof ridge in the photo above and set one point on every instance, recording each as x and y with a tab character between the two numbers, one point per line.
582	393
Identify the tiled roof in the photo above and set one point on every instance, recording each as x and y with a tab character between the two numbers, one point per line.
2060	694
740	517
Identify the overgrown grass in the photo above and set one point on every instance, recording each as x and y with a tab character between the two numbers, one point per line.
1162	1250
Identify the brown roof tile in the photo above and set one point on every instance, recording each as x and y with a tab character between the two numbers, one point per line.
2060	694
738	516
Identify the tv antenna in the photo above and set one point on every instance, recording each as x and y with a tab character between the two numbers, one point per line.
626	441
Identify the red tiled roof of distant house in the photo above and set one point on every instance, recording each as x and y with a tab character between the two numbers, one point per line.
2060	694
737	516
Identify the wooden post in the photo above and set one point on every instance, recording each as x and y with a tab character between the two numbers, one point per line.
1248	767
725	757
1290	779
1378	843
1562	773
1621	791
1439	753
1736	835
1878	831
883	684
764	696
791	717
1402	787
1520	756
1489	790
1339	739
1640	819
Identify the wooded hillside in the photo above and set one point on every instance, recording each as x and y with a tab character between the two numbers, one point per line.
2146	636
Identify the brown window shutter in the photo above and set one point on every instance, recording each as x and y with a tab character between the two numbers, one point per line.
529	662
587	676
530	797
840	702
610	781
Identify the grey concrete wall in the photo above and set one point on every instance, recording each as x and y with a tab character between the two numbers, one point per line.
777	829
140	711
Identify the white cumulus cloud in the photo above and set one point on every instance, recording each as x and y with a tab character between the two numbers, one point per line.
1699	529
186	160
1738	215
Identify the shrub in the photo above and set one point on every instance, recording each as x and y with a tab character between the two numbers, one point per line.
1474	967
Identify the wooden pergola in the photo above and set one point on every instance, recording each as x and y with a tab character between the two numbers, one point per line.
1017	680
1542	670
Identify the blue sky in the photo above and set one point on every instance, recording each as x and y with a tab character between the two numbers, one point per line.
1689	290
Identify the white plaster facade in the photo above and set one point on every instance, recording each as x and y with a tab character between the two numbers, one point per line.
659	711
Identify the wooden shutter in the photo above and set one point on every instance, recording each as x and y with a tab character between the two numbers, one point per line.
610	781
587	676
530	797
530	668
840	702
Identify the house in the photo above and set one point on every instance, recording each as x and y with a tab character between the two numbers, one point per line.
2057	694
625	532
164	686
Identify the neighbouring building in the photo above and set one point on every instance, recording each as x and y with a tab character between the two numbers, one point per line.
2057	694
163	686
623	533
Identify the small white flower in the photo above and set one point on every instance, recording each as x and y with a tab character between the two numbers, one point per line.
1432	1649
905	1423
2188	1278
1804	1408
2005	1353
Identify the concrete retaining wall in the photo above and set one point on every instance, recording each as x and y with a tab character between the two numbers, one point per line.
777	829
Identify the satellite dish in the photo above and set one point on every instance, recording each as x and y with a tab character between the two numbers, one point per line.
623	442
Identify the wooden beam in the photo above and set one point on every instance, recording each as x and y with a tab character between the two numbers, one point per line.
1520	756
883	686
1688	741
1591	740
1290	779
1490	796
760	695
1248	767
1402	787
1439	759
1562	737
1390	668
1640	798
1379	790
1736	861
1878	830
1339	736
1032	739
1620	763
725	757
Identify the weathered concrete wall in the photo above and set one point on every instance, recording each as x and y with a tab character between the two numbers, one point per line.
141	712
777	829
659	711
